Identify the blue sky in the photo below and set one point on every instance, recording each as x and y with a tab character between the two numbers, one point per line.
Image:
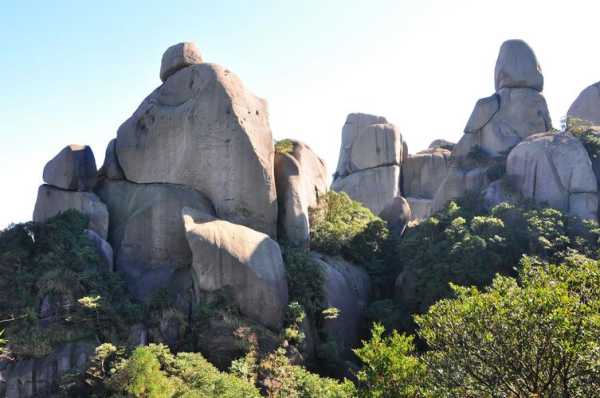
73	71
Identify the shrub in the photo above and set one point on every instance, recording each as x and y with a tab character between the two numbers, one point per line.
539	337
305	281
389	367
53	266
284	146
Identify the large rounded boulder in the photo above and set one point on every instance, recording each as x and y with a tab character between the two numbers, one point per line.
587	105
244	261
73	169
555	169
203	129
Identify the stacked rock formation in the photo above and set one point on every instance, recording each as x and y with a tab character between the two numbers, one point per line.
498	123
371	155
69	178
587	105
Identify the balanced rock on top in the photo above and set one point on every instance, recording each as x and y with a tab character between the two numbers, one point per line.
587	105
178	57
73	169
203	129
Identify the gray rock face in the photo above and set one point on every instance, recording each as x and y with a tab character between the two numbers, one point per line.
203	129
498	192
368	141
522	112
587	105
347	289
40	377
397	214
111	168
147	234
301	178
178	57
52	201
423	173
248	262
440	143
104	250
483	112
420	208
74	169
517	67
375	188
458	182
555	169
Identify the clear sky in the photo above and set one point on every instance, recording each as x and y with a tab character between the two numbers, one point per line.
73	71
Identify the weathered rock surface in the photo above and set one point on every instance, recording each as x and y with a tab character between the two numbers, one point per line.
420	208
555	169
177	57
423	172
111	168
499	191
301	178
147	234
73	169
397	214
587	105
517	67
484	110
375	188
347	289
368	141
40	377
440	143
203	129
522	112
459	182
104	250
247	262
52	201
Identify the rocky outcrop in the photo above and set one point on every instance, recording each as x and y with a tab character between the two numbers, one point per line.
111	168
104	250
517	66
587	105
375	188
203	129
178	57
73	169
555	169
246	262
500	191
457	183
423	172
147	234
371	153
52	201
441	143
301	178
347	289
397	215
420	208
40	377
514	112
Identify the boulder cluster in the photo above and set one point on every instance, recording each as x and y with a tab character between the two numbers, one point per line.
509	152
193	196
193	199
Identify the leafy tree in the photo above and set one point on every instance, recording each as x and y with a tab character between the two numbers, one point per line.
538	336
389	367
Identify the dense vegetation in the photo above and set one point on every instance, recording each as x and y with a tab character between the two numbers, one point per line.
490	303
54	288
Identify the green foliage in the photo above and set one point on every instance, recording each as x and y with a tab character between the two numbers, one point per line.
538	336
305	280
284	146
588	135
337	222
389	367
342	226
53	266
469	248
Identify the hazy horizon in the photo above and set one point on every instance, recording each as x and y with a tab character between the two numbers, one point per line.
73	73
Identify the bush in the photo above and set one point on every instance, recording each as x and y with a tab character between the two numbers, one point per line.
284	146
469	248
389	367
305	279
53	288
539	337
